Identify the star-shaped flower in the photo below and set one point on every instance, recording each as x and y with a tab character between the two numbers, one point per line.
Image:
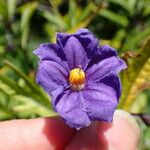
81	77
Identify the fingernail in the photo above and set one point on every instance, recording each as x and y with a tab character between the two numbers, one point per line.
131	120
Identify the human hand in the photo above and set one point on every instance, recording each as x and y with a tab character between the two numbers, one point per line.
54	134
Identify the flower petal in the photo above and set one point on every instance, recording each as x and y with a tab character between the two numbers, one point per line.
62	38
68	105
106	51
75	54
51	75
85	37
112	65
113	81
88	41
102	52
99	101
50	51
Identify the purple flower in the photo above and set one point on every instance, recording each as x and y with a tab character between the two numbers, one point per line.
81	77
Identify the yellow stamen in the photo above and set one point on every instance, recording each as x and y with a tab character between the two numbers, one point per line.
77	78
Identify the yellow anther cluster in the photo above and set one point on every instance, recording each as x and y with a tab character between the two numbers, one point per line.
77	76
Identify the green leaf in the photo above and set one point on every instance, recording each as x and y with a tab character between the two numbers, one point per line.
27	12
6	89
128	5
32	106
146	137
72	12
55	3
9	82
140	103
36	90
5	115
85	12
11	5
146	10
3	9
51	30
134	40
12	89
136	77
55	19
25	102
114	17
25	99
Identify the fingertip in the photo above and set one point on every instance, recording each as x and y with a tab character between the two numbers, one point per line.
123	133
131	120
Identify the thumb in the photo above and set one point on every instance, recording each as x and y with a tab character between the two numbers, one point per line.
122	134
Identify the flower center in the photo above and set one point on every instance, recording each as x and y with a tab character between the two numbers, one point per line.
77	79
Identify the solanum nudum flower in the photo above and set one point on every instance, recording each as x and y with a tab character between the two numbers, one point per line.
81	77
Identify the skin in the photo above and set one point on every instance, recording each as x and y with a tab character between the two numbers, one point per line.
53	134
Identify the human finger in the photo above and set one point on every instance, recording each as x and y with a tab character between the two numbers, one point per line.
122	134
39	134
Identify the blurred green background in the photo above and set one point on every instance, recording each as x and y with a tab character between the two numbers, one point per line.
25	24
